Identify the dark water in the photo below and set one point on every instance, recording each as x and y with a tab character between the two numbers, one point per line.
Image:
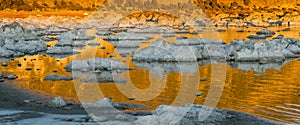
272	94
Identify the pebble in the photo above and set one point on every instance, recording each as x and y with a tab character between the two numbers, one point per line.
131	98
4	64
198	94
203	80
28	101
11	77
1	80
28	69
66	108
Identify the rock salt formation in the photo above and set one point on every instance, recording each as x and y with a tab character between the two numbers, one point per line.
16	31
58	50
197	41
152	30
276	50
67	41
75	35
128	43
127	36
15	41
161	50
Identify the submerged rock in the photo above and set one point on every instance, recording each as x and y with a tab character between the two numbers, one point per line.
266	32
257	37
104	80
53	77
255	66
161	68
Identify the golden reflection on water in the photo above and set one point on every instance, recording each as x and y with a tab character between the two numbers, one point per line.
243	90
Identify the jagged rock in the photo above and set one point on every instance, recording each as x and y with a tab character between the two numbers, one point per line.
5	53
280	36
72	43
128	43
74	35
16	48
197	41
58	50
261	51
213	51
57	102
169	35
15	27
56	30
16	31
94	44
294	49
152	30
96	64
105	103
53	77
193	114
103	33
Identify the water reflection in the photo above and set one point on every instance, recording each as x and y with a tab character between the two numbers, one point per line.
271	94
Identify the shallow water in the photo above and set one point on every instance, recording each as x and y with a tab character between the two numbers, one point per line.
272	94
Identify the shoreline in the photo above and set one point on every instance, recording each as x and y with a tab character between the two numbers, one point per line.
20	113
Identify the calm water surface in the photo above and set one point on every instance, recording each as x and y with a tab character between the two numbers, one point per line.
272	94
